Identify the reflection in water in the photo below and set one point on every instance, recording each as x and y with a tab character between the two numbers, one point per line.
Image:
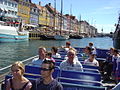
11	52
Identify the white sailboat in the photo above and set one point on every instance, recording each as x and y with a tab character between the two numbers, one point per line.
60	36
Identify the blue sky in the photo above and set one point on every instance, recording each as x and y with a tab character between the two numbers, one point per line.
99	13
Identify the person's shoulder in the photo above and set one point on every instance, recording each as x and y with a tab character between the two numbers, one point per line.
64	62
35	59
55	82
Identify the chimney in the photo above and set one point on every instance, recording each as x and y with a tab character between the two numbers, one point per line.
49	4
39	3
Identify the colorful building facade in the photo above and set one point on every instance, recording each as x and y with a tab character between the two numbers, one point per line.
24	10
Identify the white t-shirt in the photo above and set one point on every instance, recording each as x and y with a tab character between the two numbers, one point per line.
76	66
56	56
93	63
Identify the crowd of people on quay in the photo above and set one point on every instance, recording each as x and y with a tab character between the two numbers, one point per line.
69	61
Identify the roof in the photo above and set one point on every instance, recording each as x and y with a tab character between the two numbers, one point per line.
39	7
51	8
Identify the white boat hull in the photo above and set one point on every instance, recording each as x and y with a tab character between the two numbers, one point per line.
59	37
11	34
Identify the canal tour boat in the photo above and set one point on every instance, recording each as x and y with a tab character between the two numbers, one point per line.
12	32
116	35
89	79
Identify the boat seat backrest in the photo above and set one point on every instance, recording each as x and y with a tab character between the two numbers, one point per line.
81	75
101	53
37	70
91	70
81	82
90	67
69	86
79	50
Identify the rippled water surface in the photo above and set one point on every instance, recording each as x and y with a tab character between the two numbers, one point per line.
11	52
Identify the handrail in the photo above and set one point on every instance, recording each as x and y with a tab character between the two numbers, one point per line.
5	68
21	61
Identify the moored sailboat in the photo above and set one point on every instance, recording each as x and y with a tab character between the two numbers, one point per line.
60	36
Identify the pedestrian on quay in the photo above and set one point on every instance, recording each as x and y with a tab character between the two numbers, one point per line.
42	54
71	63
47	82
18	81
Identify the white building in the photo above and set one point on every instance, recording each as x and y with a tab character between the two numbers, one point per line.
8	8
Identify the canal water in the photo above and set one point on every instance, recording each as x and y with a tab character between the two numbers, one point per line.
17	51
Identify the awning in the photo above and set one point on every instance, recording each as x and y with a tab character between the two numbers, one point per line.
30	25
2	9
6	9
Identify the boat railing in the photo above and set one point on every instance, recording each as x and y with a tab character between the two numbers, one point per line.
6	70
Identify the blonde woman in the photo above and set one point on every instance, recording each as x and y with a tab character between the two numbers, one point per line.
18	81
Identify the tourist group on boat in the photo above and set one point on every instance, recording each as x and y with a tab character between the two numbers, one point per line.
67	68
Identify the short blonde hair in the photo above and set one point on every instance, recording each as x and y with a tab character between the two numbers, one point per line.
41	47
73	49
20	65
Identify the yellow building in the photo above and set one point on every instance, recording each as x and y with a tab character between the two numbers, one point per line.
44	19
24	10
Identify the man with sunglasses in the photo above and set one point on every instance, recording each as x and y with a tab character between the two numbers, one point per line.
47	82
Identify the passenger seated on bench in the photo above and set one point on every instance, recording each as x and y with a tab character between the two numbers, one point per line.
87	52
47	82
92	47
91	60
49	56
115	61
42	54
18	81
71	63
107	65
55	53
67	46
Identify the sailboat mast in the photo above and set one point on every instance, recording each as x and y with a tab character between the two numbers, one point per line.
54	15
61	17
70	18
80	24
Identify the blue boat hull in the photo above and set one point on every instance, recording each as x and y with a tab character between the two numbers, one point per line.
13	38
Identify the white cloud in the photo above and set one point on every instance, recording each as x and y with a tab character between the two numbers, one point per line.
108	8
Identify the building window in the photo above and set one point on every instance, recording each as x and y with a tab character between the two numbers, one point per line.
12	4
5	2
9	3
1	1
15	5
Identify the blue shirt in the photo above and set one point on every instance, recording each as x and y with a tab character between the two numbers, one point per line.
37	62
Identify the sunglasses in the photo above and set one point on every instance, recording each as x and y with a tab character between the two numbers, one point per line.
46	69
15	70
